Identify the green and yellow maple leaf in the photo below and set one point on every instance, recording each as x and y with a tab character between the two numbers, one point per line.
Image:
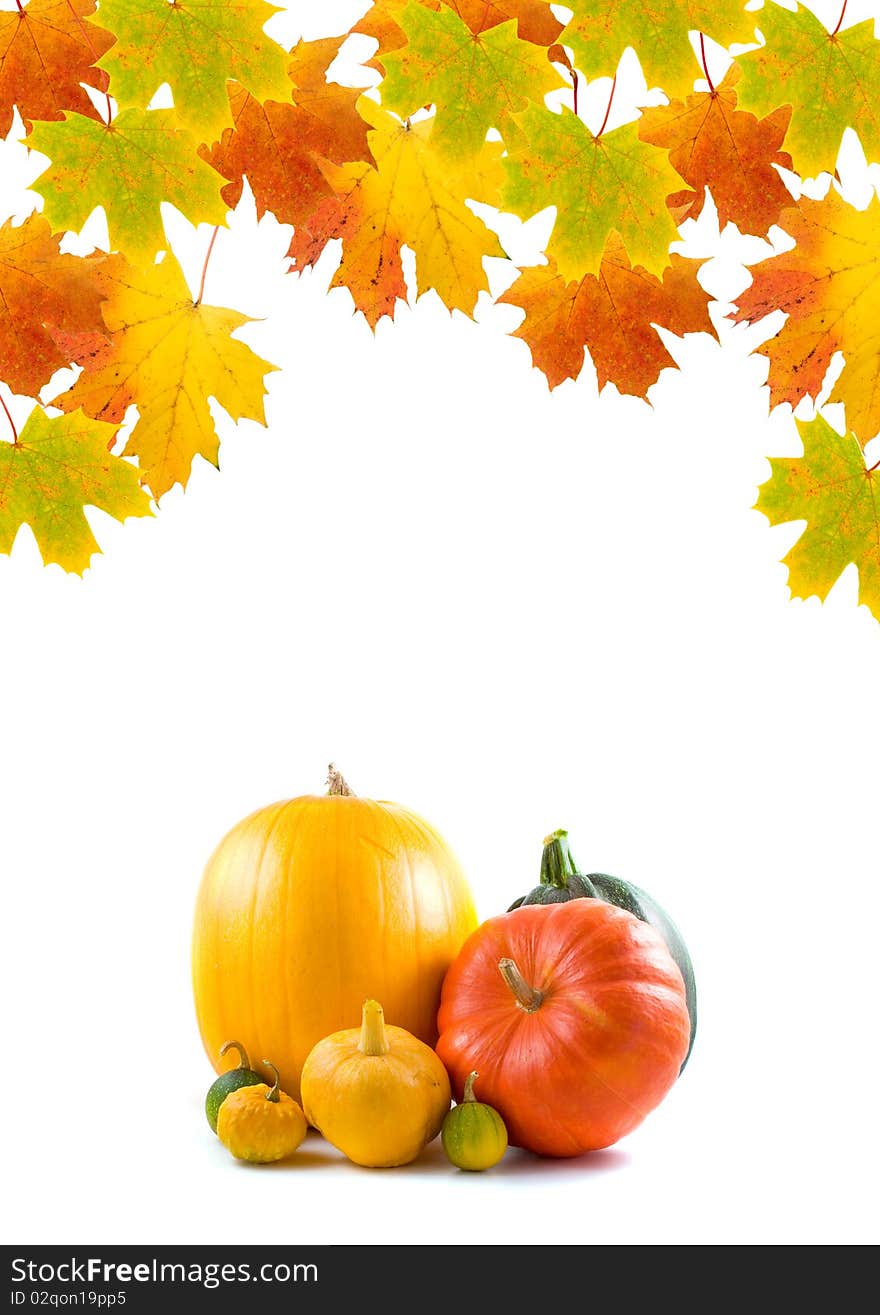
830	488
658	31
195	46
832	81
829	286
168	355
129	168
613	183
535	21
475	80
57	466
414	195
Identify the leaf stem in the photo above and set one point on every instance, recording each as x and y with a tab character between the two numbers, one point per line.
198	300
11	421
840	20
706	66
109	108
575	80
608	108
867	472
21	8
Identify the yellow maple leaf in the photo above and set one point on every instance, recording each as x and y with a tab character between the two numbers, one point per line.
167	354
414	195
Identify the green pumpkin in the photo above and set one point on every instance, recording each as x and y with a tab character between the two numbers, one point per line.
243	1076
561	881
474	1135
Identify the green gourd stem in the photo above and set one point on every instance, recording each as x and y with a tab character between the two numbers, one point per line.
337	782
558	865
273	1094
469	1087
373	1039
529	998
243	1061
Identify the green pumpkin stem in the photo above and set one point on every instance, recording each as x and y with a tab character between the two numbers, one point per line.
273	1094
469	1081
529	998
558	865
337	782
243	1061
373	1040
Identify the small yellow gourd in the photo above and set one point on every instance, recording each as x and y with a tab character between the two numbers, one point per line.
375	1092
261	1123
473	1134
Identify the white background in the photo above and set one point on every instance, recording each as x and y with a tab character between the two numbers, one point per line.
511	611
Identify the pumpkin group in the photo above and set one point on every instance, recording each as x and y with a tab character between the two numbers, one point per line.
312	905
575	1015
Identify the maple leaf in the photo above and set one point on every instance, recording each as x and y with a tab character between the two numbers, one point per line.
613	315
282	147
713	144
414	195
57	466
194	46
610	183
831	489
830	78
535	21
46	50
474	80
657	30
168	355
43	295
829	285
129	168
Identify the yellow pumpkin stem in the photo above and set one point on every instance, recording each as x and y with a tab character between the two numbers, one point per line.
243	1061
469	1081
273	1094
529	998
373	1039
337	782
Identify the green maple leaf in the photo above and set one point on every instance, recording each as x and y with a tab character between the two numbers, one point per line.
194	46
57	466
129	168
832	490
475	81
831	80
613	183
657	30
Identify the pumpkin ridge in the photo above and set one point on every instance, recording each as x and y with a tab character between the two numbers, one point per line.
285	933
270	832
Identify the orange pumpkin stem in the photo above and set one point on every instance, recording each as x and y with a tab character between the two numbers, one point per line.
529	998
243	1061
337	782
373	1039
273	1094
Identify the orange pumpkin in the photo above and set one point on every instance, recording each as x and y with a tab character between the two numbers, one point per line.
576	1017
312	905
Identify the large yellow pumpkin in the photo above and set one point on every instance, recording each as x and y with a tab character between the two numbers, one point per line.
313	905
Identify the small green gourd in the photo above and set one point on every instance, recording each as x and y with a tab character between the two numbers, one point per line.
243	1076
473	1134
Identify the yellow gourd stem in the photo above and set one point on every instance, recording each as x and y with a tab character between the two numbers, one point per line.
373	1039
469	1087
273	1094
529	998
337	783
243	1061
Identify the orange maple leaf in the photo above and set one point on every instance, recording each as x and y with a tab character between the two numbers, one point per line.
48	301
713	144
46	50
613	315
829	286
279	146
